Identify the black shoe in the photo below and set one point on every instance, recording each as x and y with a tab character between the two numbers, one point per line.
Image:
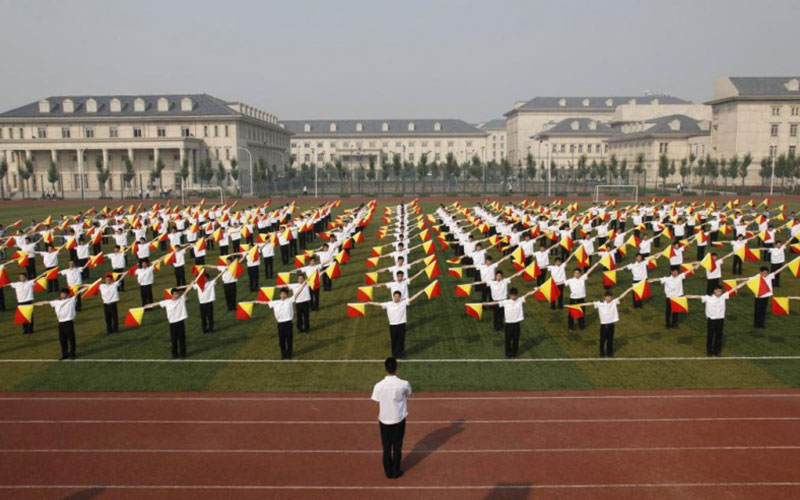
397	475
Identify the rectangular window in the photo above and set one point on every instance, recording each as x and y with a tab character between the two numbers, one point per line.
469	144
792	150
773	151
662	147
385	145
41	133
795	111
88	132
773	130
65	133
372	144
137	131
113	132
563	148
776	111
205	130
580	148
306	157
450	144
793	130
21	133
410	156
319	145
437	156
161	132
216	130
227	154
185	131
226	131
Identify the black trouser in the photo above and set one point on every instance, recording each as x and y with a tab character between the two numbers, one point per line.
303	308
327	284
85	271
2	299
146	292
571	320
512	339
66	336
27	327
121	286
230	295
235	245
560	298
223	249
760	314
711	284
607	340
670	318
31	269
252	275
397	339
540	279
200	260
268	267
293	247
701	252
498	317
112	318
636	303
314	299
485	291
285	254
765	254
776	278
207	317
714	336
285	339
52	285
180	276
177	335
737	264
392	443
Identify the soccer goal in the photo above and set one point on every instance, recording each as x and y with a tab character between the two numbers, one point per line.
619	192
195	194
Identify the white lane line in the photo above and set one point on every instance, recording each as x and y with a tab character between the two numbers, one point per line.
723	485
365	400
413	422
425	452
711	359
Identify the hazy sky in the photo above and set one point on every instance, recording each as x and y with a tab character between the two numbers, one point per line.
393	59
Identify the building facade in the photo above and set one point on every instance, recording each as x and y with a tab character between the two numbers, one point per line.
354	142
79	133
496	141
567	141
756	115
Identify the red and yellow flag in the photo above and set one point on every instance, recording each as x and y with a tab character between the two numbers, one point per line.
780	305
24	315
679	305
433	289
244	310
474	310
356	310
365	293
134	317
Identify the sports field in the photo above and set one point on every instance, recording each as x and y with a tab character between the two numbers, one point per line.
446	349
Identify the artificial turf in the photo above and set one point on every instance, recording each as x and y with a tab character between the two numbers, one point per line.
437	329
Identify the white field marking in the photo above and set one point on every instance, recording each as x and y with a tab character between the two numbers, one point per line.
712	359
426	452
414	422
764	484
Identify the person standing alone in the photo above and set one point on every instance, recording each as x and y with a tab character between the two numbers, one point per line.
392	395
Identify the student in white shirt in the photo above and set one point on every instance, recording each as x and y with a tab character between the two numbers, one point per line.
145	278
542	257
673	287
206	297
109	292
302	300
252	260
639	270
118	264
268	257
23	289
577	294
715	318
74	277
396	312
392	395
179	265
176	315
64	308
761	302
283	308
558	272
50	260
777	257
609	315
513	315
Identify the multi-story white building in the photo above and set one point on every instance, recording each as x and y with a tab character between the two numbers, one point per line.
756	115
496	141
566	141
354	142
77	132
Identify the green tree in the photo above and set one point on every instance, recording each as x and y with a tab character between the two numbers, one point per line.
155	174
663	170
371	170
744	166
235	174
684	170
422	170
128	174
220	173
52	175
451	169
638	167
102	174
530	167
613	167
733	169
623	170
25	172
340	174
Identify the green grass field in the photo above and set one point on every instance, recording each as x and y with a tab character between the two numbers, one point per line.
437	330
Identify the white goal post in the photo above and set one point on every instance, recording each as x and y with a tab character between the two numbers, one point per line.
204	192
619	192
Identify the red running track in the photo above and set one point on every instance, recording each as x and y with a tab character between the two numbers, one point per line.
577	445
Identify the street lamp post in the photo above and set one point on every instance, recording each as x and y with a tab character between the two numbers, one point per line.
549	169
250	158
80	171
772	177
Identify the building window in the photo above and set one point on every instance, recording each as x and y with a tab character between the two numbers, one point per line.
385	145
185	131
793	130
450	144
662	147
563	148
65	133
580	148
410	156
21	133
437	157
469	144
773	150
226	131
161	132
205	130
137	131
41	133
776	111
227	153
216	131
306	157
792	150
113	132
773	130
88	132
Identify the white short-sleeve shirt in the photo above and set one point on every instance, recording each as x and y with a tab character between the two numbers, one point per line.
392	395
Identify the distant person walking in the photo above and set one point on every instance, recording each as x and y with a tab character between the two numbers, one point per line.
392	395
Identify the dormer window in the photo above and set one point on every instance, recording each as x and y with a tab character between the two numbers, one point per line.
44	106
792	85
437	126
632	101
307	127
186	104
592	125
138	105
332	127
575	125
609	102
411	126
68	106
163	104
359	127
91	106
115	105
585	102
654	102
385	126
562	102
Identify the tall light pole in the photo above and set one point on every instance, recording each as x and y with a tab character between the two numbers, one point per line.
772	152
314	163
250	158
80	171
549	163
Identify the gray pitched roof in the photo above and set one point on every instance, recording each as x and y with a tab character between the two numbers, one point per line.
496	124
375	127
662	126
764	86
579	126
607	103
203	105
